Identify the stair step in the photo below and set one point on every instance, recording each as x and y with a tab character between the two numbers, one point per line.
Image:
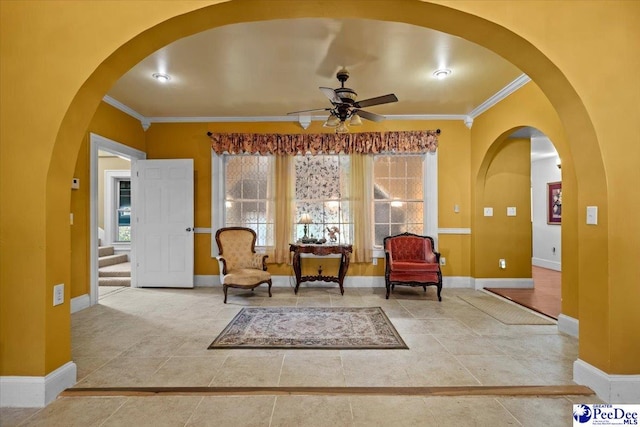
105	250
116	270
112	259
114	281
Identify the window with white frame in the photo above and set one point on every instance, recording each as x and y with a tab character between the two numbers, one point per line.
248	200
404	196
321	191
398	195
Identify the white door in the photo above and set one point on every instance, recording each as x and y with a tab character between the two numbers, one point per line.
163	211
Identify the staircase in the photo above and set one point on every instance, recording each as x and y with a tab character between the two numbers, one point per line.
113	270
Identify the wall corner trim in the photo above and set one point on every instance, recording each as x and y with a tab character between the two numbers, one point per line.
610	388
80	303
36	392
568	325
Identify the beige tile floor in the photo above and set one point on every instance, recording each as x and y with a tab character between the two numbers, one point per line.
159	337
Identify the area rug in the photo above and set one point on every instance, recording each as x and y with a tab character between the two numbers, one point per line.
507	313
310	328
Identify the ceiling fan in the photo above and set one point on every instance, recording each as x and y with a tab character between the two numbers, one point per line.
345	107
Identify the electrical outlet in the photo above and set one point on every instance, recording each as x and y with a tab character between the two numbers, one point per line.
502	263
375	261
443	261
58	294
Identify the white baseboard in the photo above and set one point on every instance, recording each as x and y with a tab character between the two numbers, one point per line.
80	303
568	325
206	280
457	282
503	283
546	263
349	281
610	388
36	392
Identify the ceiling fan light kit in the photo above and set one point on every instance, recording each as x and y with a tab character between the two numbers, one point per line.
345	107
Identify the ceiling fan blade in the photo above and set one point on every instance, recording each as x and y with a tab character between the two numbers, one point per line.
384	99
331	94
370	116
308	111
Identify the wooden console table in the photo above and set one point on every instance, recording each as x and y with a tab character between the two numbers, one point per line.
343	250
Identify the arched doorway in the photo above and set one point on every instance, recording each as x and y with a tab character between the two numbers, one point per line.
554	85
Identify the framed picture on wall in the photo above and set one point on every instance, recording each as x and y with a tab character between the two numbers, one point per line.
554	203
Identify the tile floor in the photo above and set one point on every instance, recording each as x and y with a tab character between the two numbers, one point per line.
159	337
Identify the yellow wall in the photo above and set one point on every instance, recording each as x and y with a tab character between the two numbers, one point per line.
189	140
566	47
505	182
119	127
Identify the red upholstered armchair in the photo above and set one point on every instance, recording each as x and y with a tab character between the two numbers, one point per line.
411	261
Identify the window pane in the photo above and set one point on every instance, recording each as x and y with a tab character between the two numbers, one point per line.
123	211
246	195
398	194
321	192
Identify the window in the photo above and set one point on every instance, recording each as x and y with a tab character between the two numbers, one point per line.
123	210
321	192
247	201
404	196
398	195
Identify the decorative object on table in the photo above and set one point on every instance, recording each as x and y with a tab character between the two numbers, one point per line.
305	219
310	327
333	233
411	260
240	265
554	203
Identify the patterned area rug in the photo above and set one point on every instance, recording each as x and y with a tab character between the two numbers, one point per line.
507	313
310	328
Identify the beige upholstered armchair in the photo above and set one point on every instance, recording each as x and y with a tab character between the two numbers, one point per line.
240	265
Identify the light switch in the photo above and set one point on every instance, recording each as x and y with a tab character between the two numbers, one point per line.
511	211
488	211
456	208
75	183
592	215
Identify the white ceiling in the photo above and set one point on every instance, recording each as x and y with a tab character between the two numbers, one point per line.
271	68
274	67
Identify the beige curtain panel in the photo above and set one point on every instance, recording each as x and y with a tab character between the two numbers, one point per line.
348	143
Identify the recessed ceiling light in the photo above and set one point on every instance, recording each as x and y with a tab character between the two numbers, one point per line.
162	78
441	74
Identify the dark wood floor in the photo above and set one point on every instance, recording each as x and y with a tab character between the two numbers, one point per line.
543	298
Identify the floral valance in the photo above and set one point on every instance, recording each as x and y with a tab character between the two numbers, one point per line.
292	144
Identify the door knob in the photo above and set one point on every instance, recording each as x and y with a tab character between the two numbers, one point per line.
188	228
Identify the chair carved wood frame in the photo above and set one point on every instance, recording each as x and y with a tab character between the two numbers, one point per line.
411	261
240	265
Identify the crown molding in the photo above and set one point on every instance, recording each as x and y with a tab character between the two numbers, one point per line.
499	96
144	121
305	120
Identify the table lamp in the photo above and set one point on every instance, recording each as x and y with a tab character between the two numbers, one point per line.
306	220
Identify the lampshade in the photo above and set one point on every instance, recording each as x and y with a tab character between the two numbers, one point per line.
355	120
332	121
342	128
305	219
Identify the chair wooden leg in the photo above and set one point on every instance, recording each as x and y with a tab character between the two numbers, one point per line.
224	288
425	288
269	283
388	290
439	289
